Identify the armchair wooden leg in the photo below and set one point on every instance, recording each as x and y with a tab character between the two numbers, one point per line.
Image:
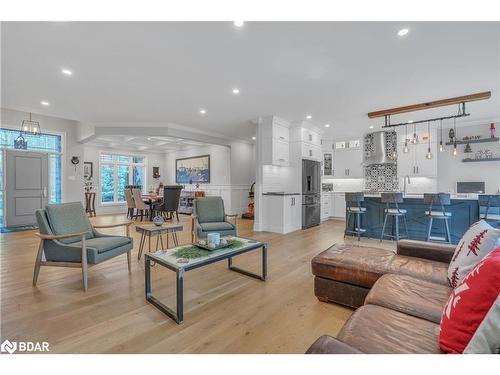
84	265
128	261
37	263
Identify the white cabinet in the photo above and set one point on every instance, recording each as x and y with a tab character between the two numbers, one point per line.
275	140
339	206
327	145
310	136
282	213
347	163
415	163
310	151
326	205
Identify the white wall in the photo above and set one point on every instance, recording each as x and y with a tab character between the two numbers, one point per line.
232	171
72	186
451	168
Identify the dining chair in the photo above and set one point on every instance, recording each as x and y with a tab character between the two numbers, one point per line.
68	239
170	202
141	207
130	203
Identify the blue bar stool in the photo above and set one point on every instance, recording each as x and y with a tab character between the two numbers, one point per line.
439	213
395	212
489	208
353	207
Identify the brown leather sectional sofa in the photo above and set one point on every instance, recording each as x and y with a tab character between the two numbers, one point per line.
400	296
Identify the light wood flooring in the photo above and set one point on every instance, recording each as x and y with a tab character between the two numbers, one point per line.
224	312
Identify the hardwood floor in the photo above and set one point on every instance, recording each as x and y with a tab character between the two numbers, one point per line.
224	312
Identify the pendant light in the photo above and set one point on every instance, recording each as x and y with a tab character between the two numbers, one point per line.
455	137
405	150
415	136
30	127
441	148
429	153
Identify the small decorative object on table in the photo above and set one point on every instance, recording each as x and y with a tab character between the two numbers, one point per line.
492	129
216	245
158	221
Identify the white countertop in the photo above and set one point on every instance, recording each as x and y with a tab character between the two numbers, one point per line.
413	195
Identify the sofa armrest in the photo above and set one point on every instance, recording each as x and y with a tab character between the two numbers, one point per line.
329	345
427	250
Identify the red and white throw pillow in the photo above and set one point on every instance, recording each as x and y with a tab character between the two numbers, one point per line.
471	318
479	240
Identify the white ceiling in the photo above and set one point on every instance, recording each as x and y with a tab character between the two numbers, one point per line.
167	71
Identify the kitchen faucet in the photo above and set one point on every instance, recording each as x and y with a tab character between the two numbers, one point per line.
409	182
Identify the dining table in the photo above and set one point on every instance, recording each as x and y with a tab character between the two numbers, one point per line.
150	199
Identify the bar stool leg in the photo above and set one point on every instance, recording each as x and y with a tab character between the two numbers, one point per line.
347	223
397	227
358	229
383	228
429	229
448	234
406	226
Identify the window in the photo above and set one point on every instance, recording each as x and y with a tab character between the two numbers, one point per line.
118	171
50	143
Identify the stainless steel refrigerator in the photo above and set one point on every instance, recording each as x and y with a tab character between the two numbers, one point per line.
311	193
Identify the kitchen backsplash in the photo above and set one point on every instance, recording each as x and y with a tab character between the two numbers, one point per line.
381	177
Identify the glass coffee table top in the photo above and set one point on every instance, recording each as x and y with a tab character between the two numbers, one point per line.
190	255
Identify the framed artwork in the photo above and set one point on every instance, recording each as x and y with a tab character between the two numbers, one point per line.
192	170
88	170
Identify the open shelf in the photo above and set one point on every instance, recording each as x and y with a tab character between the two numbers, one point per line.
474	160
480	140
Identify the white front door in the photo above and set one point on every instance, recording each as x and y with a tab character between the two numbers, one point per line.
26	186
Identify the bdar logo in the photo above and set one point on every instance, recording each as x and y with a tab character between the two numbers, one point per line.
8	346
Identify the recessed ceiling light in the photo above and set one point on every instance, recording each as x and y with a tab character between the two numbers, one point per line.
203	111
236	91
327	125
309	117
45	103
410	121
254	138
238	23
66	72
149	138
403	32
371	126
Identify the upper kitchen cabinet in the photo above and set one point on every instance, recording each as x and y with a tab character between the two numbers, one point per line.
415	162
275	137
348	163
309	138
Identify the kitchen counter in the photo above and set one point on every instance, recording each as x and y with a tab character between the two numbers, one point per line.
421	196
279	193
465	211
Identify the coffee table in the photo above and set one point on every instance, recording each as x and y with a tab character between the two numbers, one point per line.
170	260
149	230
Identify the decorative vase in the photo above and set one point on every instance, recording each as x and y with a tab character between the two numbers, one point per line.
158	221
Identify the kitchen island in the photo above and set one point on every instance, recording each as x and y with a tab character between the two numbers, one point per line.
465	211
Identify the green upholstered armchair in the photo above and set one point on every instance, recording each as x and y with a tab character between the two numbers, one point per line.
68	239
209	216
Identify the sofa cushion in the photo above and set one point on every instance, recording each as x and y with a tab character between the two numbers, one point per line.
352	264
423	269
376	329
409	295
67	218
478	241
213	227
103	244
471	318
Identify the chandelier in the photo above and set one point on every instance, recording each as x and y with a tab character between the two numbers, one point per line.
30	127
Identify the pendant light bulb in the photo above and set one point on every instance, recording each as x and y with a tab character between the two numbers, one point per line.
455	149
429	154
405	149
441	148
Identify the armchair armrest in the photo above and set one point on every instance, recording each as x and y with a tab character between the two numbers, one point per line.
60	236
232	215
127	223
427	250
330	345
